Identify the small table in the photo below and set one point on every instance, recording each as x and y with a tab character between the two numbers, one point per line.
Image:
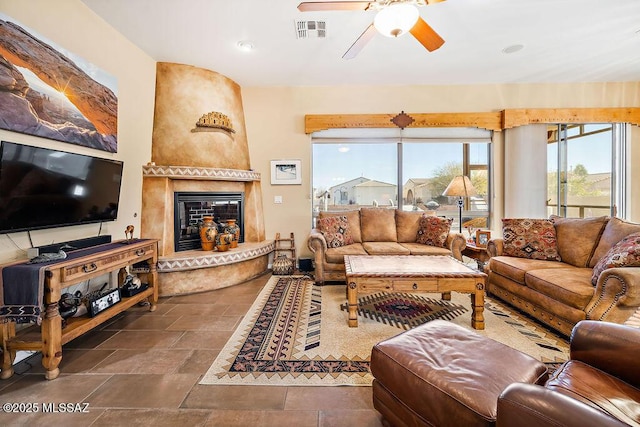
413	273
477	253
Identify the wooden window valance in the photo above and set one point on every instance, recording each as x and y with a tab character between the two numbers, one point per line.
495	121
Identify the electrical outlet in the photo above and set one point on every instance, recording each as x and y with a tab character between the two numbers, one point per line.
277	199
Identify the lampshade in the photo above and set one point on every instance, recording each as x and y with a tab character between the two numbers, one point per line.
396	19
460	186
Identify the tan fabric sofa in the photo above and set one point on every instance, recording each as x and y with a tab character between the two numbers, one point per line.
375	231
560	294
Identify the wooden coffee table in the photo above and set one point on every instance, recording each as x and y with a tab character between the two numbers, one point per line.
413	273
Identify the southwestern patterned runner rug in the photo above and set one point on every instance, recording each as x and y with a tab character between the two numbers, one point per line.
296	333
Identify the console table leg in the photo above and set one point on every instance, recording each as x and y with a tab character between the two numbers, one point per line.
352	301
51	341
7	331
153	282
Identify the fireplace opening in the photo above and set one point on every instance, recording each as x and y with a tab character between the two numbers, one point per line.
191	207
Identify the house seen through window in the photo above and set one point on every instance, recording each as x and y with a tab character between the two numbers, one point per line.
406	170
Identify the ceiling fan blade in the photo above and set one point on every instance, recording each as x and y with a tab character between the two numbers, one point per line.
359	44
312	6
426	35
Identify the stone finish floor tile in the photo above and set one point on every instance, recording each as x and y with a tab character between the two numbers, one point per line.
143	391
237	418
151	361
363	418
152	417
236	397
75	419
140	340
329	398
143	368
210	340
198	362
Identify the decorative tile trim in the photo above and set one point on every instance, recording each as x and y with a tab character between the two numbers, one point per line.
215	259
191	172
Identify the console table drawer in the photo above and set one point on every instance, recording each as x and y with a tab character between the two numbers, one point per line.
106	263
409	285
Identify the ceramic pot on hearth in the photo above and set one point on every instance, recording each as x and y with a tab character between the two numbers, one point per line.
233	229
208	232
223	241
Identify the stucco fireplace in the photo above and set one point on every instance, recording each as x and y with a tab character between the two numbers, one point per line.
190	159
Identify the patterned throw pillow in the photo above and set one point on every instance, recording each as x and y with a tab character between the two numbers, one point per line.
625	253
433	230
530	238
335	230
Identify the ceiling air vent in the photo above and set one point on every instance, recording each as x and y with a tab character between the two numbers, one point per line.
311	29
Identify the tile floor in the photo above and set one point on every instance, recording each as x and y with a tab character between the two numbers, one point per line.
143	369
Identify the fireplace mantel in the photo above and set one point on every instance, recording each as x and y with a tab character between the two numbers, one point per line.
196	270
198	173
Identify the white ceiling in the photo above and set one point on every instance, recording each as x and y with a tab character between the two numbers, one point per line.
564	41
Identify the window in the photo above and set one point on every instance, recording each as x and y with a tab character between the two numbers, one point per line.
407	170
585	169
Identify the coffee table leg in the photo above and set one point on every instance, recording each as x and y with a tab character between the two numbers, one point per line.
352	301
477	306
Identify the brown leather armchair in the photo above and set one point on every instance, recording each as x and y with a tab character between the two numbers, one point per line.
598	386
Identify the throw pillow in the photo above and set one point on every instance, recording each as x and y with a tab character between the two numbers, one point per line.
625	253
335	230
434	230
530	238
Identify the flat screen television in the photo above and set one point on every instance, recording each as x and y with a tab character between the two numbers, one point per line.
44	188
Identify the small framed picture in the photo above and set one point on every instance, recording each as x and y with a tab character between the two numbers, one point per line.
482	238
286	172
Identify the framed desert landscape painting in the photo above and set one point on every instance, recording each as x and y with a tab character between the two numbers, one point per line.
49	92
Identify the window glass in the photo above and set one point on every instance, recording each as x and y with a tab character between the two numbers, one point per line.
348	176
583	161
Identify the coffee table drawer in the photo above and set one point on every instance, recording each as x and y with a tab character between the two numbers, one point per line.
375	285
416	285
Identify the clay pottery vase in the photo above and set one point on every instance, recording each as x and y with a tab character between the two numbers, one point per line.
233	229
223	242
208	232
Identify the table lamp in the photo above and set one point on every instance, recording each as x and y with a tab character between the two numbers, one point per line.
461	187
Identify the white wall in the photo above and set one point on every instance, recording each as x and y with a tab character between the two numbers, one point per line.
72	25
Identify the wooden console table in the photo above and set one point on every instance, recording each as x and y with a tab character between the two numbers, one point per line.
49	337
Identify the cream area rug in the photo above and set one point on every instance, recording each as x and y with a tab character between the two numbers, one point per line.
296	334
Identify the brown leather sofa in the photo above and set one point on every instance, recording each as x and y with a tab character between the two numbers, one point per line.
441	374
598	386
560	294
375	231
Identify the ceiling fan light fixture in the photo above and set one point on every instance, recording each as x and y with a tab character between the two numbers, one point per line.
396	19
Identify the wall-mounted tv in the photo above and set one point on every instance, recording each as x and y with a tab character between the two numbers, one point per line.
44	188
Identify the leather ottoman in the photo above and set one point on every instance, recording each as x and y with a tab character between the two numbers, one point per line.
441	374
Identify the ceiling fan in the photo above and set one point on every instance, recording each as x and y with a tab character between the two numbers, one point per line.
393	19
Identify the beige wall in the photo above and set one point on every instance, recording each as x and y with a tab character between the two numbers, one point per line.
72	25
274	118
275	128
